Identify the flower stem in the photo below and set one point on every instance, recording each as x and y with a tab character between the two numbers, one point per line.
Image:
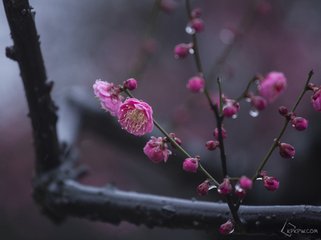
275	143
219	119
176	145
246	91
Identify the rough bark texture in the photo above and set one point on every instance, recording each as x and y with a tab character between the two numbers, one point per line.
26	51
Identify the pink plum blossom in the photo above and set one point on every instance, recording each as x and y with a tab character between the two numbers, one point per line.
299	123
272	86
130	84
136	117
230	108
196	84
181	50
190	165
227	228
225	187
216	135
258	102
270	183
196	24
203	188
245	183
109	96
157	150
286	150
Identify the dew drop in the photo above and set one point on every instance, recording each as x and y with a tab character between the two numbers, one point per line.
259	179
191	51
254	113
234	116
293	125
248	100
212	187
189	30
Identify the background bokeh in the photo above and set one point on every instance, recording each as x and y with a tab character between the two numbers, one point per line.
85	40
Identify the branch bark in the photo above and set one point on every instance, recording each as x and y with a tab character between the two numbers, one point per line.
26	51
111	205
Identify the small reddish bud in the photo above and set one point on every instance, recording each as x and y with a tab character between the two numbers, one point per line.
271	183
230	108
196	13
190	165
224	133
196	84
225	187
227	228
176	139
316	100
203	188
196	24
240	192
258	102
212	145
157	150
299	123
286	150
182	50
245	183
283	111
130	84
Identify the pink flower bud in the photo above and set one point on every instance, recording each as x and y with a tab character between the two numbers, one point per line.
224	133
227	228
270	183
230	108
286	150
130	84
157	150
258	102
136	117
245	183
190	165
196	84
176	139
225	187
283	111
196	13
203	188
212	145
316	100
240	192
109	96
272	86
182	50
196	24
299	123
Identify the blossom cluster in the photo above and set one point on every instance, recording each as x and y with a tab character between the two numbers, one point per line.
136	117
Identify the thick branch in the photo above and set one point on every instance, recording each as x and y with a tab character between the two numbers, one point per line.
26	51
112	205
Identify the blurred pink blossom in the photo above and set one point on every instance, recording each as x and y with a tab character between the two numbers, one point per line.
109	96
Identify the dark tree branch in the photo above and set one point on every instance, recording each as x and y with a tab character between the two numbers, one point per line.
112	205
26	51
